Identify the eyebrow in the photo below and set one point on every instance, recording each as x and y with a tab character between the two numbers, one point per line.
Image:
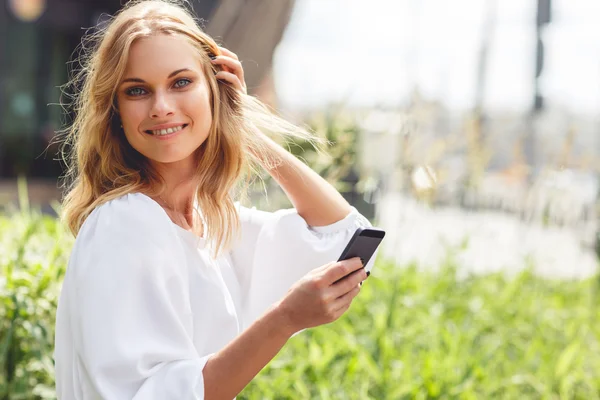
172	74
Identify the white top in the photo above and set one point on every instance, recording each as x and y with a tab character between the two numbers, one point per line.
144	305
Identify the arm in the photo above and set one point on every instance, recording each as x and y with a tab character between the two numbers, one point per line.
312	301
228	371
316	201
314	198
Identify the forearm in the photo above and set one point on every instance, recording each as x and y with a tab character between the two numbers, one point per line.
228	371
317	201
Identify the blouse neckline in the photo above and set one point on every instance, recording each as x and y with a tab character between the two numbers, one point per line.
199	240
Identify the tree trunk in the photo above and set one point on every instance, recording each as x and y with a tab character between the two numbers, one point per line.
252	29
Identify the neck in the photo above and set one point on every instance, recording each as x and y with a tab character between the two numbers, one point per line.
180	186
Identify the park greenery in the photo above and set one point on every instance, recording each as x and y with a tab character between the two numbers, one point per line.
410	334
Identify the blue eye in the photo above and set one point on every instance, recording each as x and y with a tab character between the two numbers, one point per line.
135	91
182	83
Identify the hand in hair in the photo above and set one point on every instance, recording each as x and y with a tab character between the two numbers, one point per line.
232	72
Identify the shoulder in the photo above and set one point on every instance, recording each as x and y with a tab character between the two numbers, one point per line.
252	215
128	235
133	217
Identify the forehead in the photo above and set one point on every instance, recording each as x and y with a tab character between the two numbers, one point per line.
160	55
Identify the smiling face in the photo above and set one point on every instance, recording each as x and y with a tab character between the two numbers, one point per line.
164	100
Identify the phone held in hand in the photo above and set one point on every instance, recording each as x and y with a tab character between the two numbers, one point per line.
363	244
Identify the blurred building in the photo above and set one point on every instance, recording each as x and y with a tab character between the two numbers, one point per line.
38	39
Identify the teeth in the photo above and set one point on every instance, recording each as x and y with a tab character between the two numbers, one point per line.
160	132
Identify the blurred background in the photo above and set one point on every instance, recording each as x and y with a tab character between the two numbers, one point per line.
468	130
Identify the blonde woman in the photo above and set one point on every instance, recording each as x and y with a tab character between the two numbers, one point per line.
173	290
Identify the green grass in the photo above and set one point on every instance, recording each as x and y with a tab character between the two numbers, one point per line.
409	335
416	335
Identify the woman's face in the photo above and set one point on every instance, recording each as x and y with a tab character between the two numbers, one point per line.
163	99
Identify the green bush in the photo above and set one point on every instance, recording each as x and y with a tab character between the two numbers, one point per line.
418	335
409	335
33	251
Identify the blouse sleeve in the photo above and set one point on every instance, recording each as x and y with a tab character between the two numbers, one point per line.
277	249
133	313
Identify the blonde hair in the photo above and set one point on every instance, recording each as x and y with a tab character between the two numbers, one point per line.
102	165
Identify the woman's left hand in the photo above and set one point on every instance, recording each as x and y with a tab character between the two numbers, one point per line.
232	70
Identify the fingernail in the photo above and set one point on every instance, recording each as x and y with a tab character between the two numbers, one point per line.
368	273
362	261
360	284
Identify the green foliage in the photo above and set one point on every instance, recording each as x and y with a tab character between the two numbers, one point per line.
334	155
33	256
334	159
338	159
410	334
417	335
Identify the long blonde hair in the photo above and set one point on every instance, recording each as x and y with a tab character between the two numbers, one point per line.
102	165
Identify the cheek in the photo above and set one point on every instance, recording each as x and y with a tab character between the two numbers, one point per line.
132	114
196	102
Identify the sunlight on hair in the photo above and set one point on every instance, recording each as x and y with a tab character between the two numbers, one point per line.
102	165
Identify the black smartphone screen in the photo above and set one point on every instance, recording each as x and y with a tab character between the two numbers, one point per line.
363	244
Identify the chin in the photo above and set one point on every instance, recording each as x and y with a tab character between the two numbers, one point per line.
169	153
171	158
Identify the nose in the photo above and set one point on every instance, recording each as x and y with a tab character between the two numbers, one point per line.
162	106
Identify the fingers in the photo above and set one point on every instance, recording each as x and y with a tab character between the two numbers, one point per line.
228	53
339	312
231	78
231	65
340	269
343	302
348	283
232	72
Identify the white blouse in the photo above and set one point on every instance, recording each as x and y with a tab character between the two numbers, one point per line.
144	305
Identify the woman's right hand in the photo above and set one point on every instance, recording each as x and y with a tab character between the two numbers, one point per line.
323	295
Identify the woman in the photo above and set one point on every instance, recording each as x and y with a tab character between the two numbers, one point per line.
173	291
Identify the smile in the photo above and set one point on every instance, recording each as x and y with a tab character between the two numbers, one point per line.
165	132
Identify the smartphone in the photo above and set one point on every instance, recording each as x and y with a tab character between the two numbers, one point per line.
363	244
